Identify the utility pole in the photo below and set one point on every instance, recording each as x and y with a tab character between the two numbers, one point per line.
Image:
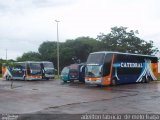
6	54
57	48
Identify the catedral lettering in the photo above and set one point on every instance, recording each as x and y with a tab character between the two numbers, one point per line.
132	65
112	68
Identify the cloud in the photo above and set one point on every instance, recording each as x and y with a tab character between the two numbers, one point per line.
20	6
51	3
25	24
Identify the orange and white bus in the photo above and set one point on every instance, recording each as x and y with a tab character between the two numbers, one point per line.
28	70
112	68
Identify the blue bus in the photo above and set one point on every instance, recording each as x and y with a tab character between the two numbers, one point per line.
112	68
28	70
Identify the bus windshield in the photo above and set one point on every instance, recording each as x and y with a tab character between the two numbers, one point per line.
48	65
93	71
97	58
35	66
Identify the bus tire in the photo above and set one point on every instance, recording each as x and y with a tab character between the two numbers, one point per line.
71	81
6	78
64	81
10	78
24	78
143	80
114	82
148	79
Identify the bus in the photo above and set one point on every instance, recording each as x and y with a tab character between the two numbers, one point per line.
73	72
47	70
28	70
112	68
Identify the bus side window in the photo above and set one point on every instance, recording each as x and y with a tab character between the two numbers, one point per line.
107	64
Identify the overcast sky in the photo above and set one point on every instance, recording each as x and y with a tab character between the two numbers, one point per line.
25	24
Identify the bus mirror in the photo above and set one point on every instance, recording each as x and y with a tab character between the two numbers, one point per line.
100	68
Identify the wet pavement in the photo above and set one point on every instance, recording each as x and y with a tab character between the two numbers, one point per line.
53	97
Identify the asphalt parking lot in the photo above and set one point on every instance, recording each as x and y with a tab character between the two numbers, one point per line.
53	97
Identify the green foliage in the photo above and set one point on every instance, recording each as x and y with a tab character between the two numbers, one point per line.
48	50
78	48
121	40
30	56
82	46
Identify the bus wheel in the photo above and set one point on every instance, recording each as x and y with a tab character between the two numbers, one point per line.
114	82
6	78
143	80
24	78
148	80
64	81
10	78
71	81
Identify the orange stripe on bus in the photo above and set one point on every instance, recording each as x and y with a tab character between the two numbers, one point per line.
107	79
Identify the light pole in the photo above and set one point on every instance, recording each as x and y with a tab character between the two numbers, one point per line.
57	48
6	54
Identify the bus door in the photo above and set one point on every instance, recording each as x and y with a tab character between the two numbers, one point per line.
34	71
18	72
107	69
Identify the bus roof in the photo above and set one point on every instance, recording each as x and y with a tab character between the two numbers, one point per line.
35	62
28	62
106	52
45	62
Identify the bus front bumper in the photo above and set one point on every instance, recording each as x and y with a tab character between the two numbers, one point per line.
94	82
33	78
49	76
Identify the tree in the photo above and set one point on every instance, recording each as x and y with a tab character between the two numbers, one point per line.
30	56
77	48
74	50
82	46
48	52
122	41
